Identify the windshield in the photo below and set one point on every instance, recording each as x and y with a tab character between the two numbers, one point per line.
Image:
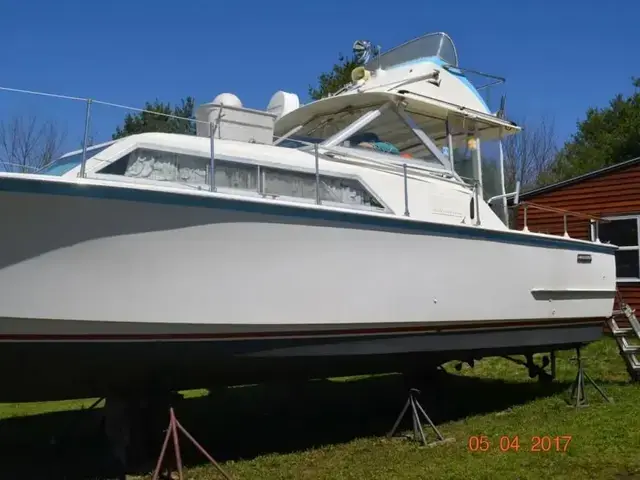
430	45
71	160
297	141
387	134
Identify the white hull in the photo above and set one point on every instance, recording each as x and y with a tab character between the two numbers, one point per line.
114	266
106	288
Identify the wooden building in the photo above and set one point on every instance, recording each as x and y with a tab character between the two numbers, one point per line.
612	194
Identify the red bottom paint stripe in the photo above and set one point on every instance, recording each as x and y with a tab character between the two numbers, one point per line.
306	333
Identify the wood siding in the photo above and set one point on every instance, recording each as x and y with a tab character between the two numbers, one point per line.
612	193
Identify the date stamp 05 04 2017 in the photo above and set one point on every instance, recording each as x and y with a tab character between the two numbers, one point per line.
546	443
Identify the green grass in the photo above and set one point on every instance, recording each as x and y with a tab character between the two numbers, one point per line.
335	429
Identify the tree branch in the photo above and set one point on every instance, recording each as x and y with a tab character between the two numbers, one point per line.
27	145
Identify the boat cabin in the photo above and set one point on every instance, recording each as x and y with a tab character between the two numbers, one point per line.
403	131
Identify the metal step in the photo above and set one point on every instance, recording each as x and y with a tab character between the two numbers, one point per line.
617	330
634	325
621	331
634	364
626	347
623	335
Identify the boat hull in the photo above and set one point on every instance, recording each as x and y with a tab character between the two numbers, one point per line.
39	370
97	279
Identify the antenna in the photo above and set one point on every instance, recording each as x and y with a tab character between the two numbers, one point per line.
503	104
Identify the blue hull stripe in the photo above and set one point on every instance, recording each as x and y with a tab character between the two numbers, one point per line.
354	219
454	71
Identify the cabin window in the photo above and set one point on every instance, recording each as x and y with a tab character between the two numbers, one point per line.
193	170
332	189
623	232
189	169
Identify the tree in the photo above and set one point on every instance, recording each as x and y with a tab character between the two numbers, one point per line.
606	136
529	156
334	80
149	121
27	145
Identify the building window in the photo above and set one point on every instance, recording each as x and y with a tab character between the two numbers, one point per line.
194	170
623	232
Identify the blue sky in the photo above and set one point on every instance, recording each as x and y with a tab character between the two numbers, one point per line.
559	57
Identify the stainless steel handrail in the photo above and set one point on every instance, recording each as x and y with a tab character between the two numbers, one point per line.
565	216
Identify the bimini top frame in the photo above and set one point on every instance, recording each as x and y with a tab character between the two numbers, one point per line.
416	117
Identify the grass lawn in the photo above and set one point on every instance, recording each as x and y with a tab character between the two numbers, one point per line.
335	429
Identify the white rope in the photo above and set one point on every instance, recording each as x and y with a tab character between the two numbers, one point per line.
117	105
19	165
44	94
109	104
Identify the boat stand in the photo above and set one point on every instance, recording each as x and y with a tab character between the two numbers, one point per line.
578	396
416	409
172	431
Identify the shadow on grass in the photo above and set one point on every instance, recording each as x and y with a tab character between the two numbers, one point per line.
244	422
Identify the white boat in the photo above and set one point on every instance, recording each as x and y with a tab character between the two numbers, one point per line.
136	266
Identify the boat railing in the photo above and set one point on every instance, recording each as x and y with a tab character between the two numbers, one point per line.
406	168
21	167
595	220
390	165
